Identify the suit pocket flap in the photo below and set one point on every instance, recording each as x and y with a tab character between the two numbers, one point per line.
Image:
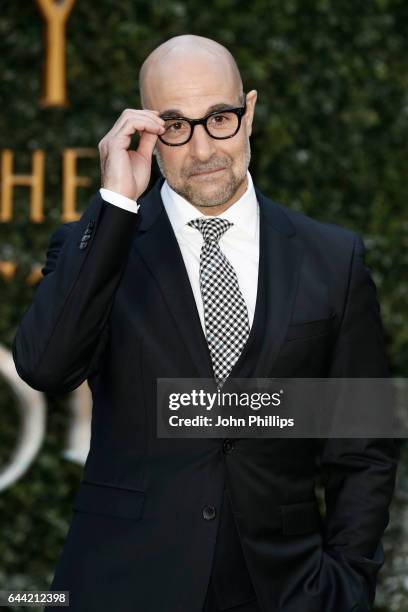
301	517
310	328
109	500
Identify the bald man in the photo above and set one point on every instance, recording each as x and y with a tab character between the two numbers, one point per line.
204	277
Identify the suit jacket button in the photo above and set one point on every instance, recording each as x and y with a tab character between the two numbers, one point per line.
228	445
209	513
91	223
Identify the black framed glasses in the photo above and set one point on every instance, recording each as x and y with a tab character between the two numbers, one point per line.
218	124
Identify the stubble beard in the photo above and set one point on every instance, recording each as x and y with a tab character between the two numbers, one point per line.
222	190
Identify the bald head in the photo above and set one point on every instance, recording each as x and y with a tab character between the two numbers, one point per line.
192	54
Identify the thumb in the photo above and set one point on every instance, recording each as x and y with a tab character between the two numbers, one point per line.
146	145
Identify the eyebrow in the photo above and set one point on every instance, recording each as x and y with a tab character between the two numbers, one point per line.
175	112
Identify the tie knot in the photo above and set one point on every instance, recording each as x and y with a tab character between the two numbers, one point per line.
212	229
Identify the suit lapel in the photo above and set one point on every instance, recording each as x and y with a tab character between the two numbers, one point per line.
280	258
279	265
157	244
280	255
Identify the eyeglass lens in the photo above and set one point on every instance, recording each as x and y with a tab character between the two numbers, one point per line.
220	125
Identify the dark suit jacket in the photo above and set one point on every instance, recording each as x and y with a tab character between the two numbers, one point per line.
116	308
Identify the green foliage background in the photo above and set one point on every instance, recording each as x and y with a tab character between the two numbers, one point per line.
330	139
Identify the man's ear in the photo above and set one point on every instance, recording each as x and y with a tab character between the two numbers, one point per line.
249	115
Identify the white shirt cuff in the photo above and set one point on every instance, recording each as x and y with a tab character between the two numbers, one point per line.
117	199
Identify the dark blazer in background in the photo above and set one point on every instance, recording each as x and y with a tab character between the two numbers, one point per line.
117	308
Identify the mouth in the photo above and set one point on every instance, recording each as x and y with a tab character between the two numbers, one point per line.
208	172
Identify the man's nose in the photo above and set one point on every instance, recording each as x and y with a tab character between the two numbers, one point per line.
202	146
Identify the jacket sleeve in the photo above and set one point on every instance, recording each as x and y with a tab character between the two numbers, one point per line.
64	330
359	473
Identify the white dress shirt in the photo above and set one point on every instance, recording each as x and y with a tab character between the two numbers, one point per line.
240	243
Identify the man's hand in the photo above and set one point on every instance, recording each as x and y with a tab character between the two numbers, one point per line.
128	172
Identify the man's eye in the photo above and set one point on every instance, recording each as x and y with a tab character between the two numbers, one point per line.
176	126
220	120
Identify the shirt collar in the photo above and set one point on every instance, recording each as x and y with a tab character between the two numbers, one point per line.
243	213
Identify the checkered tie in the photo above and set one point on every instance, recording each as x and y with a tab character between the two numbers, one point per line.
225	311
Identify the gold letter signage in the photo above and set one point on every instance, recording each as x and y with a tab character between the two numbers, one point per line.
56	15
